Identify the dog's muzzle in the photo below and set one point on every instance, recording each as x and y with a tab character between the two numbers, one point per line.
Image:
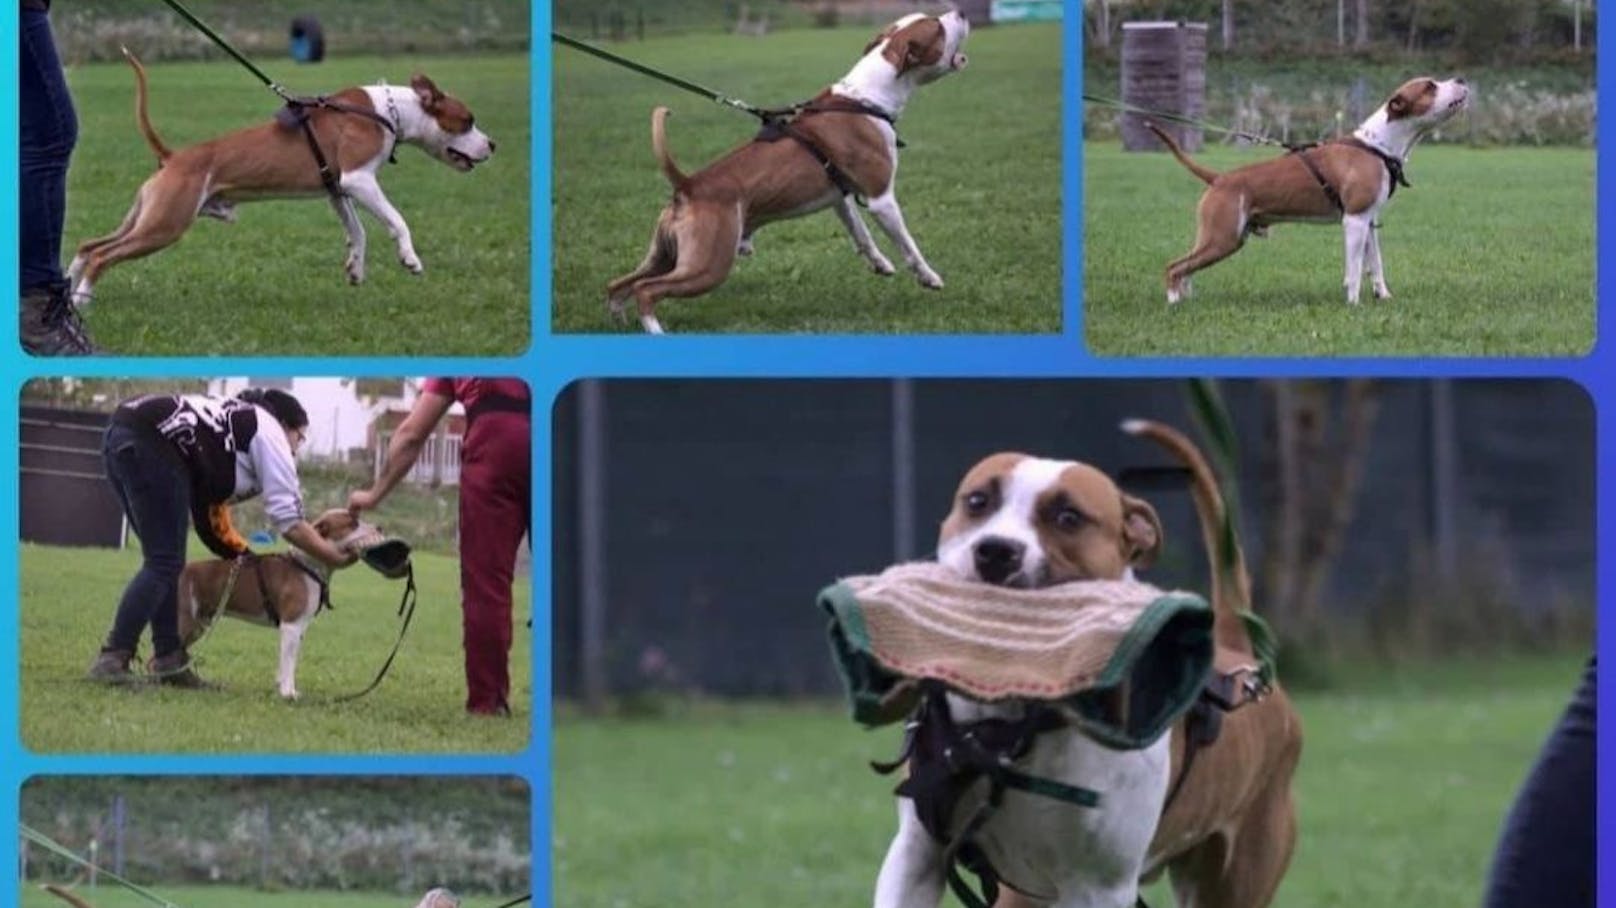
383	554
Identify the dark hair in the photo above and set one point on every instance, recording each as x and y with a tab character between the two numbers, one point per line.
283	406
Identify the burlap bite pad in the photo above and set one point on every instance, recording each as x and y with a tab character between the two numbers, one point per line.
1124	655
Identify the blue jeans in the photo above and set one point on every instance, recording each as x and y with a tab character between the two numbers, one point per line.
1546	855
156	496
47	131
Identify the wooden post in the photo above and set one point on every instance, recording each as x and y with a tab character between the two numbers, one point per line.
1163	69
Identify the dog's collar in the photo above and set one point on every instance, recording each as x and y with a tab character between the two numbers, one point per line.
848	93
1372	144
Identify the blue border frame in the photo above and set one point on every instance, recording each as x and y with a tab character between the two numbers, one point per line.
552	362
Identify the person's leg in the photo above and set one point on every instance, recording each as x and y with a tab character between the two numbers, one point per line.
156	498
1546	854
494	508
47	132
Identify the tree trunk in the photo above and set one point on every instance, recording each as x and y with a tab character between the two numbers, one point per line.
1228	24
1361	39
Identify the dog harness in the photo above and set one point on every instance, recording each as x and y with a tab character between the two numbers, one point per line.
946	758
1394	168
777	125
296	114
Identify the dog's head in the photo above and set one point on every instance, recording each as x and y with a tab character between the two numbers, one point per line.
341	528
1027	522
450	131
923	48
1426	103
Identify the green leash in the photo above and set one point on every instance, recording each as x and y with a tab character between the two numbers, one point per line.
54	847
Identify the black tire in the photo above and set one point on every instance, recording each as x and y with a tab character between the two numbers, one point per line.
308	40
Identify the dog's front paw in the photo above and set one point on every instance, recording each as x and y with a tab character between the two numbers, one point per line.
881	265
289	694
355	267
412	263
1383	292
930	279
744	248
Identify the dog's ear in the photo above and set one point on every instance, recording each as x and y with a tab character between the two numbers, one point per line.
1141	532
425	90
1397	107
876	41
917	44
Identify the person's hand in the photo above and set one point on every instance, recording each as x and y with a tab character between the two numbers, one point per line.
335	557
363	500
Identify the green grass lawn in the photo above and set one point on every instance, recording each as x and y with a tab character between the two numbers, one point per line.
112	896
979	184
1404	782
67	601
1491	253
273	283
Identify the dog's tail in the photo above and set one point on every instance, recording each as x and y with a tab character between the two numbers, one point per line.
66	896
1231	584
141	117
1207	175
659	145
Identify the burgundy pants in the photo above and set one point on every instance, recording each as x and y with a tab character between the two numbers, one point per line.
495	512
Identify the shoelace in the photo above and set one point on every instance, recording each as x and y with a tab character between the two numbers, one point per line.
62	315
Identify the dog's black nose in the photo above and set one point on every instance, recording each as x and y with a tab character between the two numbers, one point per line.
1461	81
997	558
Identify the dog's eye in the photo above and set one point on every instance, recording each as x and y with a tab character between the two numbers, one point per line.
976	503
1070	519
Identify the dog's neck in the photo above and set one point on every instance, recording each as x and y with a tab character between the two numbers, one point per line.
401	107
874	81
1392	137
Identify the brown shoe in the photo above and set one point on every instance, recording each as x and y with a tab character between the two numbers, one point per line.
111	666
175	669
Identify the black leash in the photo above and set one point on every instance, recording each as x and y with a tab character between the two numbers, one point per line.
406	610
517	901
1125	107
642	69
774	119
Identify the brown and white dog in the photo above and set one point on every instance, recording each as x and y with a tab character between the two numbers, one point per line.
1227	836
1245	201
273	161
715	211
270	590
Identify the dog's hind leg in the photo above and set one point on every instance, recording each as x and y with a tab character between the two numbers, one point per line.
659	259
706	248
1219	234
161	217
81	258
355	265
862	240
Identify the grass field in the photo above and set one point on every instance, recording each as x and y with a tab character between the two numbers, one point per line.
67	601
273	283
1404	781
111	896
1491	253
979	183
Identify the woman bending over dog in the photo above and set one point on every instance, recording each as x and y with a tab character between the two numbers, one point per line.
175	459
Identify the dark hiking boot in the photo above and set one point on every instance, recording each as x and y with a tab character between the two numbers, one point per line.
175	669
111	666
49	326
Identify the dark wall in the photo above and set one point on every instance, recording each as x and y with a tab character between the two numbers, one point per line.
730	503
65	497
